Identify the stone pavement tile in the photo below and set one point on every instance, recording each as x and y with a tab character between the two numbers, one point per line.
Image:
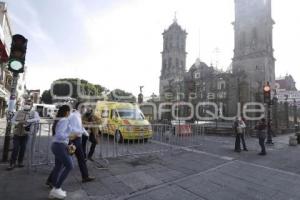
171	192
285	196
191	163
165	174
116	186
256	183
121	168
105	197
140	197
77	195
200	186
96	188
17	185
138	180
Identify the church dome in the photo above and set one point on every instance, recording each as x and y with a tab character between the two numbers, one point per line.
198	65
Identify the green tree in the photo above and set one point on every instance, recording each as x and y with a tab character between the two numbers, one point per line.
121	95
79	88
46	97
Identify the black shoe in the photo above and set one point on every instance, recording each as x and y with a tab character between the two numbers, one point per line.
237	150
262	154
91	159
245	149
49	184
20	165
88	179
11	167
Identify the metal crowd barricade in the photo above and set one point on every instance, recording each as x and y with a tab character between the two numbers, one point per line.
38	150
165	138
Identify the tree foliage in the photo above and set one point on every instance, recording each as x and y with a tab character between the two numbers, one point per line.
81	90
121	95
46	97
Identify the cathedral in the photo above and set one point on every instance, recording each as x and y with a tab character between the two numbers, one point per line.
253	64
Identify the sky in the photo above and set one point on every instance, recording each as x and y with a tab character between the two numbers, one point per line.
117	43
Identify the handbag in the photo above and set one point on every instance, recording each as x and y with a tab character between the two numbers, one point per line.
71	149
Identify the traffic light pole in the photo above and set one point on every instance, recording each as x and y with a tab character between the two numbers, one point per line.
9	116
269	134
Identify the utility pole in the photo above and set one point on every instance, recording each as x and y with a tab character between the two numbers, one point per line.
275	111
9	116
267	101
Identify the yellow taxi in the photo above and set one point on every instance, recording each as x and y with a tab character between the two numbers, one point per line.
125	121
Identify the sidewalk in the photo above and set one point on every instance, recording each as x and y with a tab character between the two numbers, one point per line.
212	171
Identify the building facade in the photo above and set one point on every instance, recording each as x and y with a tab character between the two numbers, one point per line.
286	83
35	96
253	65
253	47
5	41
173	60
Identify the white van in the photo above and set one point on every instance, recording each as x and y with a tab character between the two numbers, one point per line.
45	110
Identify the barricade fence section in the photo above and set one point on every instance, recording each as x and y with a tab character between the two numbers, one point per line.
39	146
116	141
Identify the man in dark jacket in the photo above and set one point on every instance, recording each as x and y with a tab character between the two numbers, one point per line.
91	123
261	128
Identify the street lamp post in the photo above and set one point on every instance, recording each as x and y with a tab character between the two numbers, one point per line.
286	106
295	113
275	110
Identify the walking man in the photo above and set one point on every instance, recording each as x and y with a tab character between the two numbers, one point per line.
261	128
26	123
76	123
90	122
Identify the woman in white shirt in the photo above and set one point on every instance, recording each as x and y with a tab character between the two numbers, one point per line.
63	160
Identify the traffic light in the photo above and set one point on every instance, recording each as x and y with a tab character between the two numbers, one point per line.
17	55
267	93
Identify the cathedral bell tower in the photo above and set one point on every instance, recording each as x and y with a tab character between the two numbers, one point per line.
173	57
253	50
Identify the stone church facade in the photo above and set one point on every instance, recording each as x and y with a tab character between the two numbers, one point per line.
253	64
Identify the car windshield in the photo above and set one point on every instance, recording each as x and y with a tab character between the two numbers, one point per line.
131	114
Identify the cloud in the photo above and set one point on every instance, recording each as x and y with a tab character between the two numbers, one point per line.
121	41
126	42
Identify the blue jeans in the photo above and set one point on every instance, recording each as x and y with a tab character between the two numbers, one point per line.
19	148
63	164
